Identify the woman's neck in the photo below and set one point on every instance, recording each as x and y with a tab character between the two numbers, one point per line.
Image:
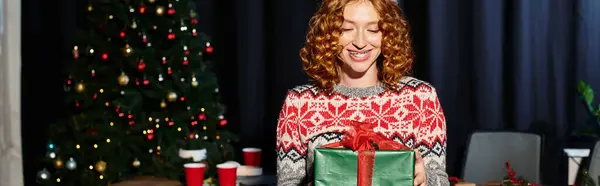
367	79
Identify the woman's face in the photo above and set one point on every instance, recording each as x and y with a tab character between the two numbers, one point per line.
361	38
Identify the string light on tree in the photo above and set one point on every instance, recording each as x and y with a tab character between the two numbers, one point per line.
160	10
127	50
194	82
80	87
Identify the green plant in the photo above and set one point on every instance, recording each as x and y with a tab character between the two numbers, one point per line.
592	128
587	94
511	180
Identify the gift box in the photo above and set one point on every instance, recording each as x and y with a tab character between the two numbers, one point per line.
364	158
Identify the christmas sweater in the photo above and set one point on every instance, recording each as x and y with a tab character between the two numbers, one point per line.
309	118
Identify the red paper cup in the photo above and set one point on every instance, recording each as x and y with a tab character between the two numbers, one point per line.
194	174
252	156
227	174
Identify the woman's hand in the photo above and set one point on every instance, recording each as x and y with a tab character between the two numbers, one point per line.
420	175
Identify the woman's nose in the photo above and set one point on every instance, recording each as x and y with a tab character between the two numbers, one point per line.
359	41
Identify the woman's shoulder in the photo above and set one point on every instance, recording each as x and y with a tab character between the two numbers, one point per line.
305	90
414	83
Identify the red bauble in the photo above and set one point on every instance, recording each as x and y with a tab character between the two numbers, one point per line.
146	82
185	62
142	9
105	56
91	131
171	36
223	122
141	66
201	116
150	136
209	49
122	34
171	11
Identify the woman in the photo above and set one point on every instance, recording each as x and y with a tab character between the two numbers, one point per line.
359	55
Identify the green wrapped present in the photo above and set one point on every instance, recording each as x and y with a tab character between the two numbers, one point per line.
367	159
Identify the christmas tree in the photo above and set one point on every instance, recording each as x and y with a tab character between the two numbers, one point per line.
141	88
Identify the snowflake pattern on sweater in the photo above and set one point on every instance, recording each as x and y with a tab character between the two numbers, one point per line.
309	118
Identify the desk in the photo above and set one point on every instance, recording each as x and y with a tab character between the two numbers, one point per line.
264	180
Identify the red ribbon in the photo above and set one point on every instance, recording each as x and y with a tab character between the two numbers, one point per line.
361	137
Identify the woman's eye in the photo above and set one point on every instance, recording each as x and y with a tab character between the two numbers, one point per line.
374	31
346	29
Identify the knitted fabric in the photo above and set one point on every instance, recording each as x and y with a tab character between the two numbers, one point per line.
309	118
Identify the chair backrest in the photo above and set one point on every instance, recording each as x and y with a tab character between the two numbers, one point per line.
594	162
488	152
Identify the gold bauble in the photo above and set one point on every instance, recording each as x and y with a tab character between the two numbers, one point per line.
163	104
100	166
171	97
123	80
151	1
79	87
136	163
160	10
58	163
192	14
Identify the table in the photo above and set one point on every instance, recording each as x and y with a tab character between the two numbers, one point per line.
264	180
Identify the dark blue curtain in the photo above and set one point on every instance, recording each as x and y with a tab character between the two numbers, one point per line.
497	64
511	64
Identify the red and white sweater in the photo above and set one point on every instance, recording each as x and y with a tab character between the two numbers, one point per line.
411	115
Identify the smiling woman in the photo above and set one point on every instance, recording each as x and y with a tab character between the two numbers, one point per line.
358	54
339	26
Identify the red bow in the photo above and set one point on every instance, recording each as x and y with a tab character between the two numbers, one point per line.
361	137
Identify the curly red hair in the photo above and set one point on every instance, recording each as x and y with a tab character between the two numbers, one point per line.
319	54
